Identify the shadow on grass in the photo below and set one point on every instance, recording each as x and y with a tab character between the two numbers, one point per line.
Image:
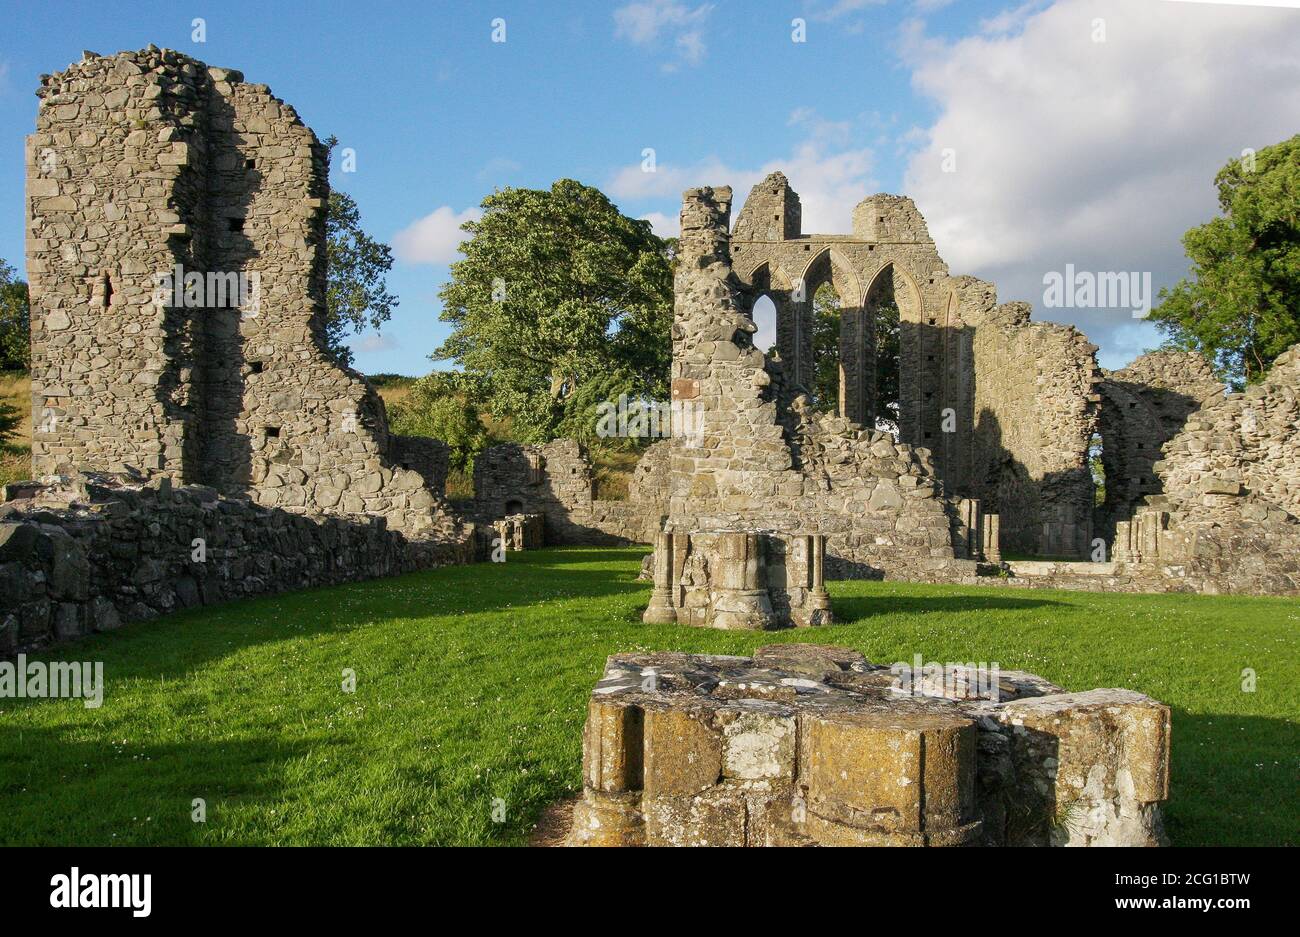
107	792
173	645
1233	780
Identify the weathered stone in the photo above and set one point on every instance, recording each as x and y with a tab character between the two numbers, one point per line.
807	745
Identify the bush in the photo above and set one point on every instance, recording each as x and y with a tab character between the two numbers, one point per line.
437	407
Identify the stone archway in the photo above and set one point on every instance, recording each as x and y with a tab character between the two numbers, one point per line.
850	377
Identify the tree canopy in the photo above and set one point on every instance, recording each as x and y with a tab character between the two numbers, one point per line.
356	292
1241	305
556	290
440	405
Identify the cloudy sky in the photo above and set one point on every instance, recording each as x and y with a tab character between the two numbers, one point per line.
1031	134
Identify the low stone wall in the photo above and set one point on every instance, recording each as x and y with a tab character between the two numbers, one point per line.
812	745
83	554
555	480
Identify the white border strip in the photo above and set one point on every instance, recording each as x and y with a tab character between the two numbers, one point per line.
1287	4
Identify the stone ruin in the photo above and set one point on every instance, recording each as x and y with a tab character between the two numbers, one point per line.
738	580
192	439
996	419
811	745
182	397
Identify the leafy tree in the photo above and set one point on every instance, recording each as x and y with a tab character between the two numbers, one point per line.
356	292
1241	305
15	322
439	405
826	353
557	289
825	391
888	348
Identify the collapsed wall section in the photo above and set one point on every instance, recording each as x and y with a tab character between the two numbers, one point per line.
85	554
555	480
1144	406
1036	411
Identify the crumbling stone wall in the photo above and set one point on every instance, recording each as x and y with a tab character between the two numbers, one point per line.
555	480
762	459
86	553
1228	517
1144	406
182	400
147	162
955	346
889	256
1248	441
1037	403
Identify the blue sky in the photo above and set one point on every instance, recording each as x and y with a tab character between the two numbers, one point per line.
1069	150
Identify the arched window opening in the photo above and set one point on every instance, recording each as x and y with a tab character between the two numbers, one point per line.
882	312
764	316
828	370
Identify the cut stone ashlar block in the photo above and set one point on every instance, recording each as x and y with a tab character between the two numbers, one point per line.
1097	762
739	580
814	745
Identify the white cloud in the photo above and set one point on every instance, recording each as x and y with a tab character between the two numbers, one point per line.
1099	154
646	22
830	177
434	238
841	8
373	342
666	226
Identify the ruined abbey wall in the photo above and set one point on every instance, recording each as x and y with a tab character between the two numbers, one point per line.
1005	407
146	163
1144	406
762	459
556	481
1036	409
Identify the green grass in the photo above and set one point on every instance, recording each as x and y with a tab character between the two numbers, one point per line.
472	682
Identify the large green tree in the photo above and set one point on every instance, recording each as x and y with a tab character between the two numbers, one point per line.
1241	305
15	322
558	289
356	292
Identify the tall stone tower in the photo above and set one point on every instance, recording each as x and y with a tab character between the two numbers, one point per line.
176	258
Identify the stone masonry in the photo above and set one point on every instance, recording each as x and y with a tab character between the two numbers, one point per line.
763	460
813	745
180	388
146	164
555	481
1005	408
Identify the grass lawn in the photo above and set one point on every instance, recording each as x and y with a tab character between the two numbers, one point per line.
471	685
